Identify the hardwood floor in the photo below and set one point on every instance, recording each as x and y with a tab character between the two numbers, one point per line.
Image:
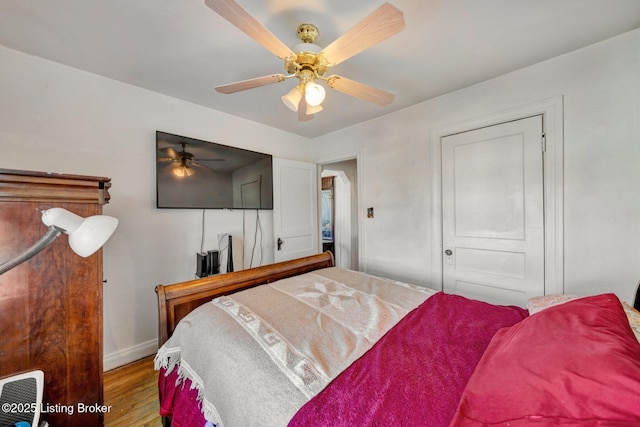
132	392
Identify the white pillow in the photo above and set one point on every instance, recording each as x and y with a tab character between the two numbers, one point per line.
537	304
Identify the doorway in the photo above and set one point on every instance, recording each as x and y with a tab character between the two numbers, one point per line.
295	209
340	226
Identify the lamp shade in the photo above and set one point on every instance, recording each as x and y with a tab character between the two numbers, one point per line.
182	170
313	109
86	235
292	99
92	234
314	94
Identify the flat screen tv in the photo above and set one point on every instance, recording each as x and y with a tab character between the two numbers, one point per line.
195	174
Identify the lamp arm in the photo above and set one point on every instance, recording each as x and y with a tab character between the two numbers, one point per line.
45	241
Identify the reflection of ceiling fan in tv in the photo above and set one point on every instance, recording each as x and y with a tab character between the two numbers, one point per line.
198	174
308	62
182	161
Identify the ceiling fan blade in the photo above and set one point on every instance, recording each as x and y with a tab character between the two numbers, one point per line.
169	151
360	90
251	83
199	165
386	21
232	12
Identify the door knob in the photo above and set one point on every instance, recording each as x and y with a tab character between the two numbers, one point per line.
448	252
280	242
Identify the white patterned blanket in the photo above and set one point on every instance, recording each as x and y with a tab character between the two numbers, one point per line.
258	355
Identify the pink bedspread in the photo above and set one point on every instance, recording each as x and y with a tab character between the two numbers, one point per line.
179	401
415	375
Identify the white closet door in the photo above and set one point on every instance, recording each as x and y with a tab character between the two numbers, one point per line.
493	213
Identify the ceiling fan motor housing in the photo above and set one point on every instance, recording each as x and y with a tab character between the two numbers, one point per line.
307	54
184	156
307	33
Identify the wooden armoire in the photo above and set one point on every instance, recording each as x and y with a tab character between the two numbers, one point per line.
51	305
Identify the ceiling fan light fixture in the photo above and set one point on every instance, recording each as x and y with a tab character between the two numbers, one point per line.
311	110
314	94
182	170
292	99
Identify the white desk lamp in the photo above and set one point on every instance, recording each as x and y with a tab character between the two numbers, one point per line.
86	235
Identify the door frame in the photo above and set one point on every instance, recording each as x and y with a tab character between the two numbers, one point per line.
358	155
341	207
553	186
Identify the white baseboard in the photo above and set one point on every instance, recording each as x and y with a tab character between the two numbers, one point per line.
128	355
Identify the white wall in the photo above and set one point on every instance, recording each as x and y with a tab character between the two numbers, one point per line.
58	119
600	86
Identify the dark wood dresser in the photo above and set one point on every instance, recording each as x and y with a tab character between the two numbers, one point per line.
51	305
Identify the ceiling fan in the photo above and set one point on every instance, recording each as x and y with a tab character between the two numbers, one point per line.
183	160
308	62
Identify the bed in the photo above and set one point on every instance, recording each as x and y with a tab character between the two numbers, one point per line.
304	343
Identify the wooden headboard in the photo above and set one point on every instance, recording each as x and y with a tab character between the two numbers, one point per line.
177	300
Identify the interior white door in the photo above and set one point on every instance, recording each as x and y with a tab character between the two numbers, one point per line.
493	212
295	209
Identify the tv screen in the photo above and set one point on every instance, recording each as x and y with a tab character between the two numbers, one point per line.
195	174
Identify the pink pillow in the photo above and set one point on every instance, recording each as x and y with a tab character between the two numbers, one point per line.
575	364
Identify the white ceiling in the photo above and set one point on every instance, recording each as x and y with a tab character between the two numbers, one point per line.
183	49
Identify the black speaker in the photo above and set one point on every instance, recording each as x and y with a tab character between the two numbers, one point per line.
21	398
213	262
201	266
230	257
